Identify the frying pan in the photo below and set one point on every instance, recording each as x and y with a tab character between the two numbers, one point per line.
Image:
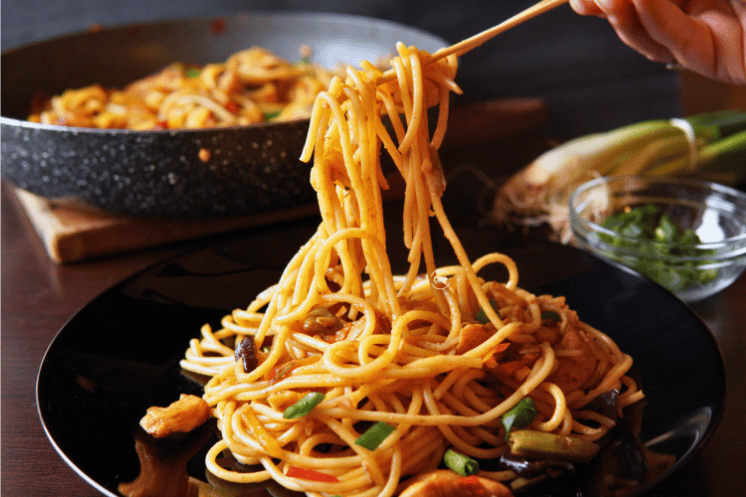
251	169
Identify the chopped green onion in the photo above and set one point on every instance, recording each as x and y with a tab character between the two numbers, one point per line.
520	416
461	464
554	316
304	405
268	116
192	73
666	229
481	316
656	237
375	435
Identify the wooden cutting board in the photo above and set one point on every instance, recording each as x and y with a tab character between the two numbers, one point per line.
70	233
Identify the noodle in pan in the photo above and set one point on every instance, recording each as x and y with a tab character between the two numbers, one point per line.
439	356
251	86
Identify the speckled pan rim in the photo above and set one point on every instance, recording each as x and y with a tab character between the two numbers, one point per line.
218	195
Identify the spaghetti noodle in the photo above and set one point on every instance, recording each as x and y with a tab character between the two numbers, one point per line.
439	358
251	86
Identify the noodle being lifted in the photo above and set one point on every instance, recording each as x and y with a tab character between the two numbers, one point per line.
344	379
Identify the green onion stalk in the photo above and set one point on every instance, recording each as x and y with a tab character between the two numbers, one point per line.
460	463
375	435
709	146
304	406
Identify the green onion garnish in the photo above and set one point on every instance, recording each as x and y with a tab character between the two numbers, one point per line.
656	238
461	464
303	406
520	416
192	73
376	434
481	316
268	116
554	316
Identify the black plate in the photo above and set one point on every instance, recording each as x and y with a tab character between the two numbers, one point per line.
119	354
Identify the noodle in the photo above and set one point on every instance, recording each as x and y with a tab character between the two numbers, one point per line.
405	350
251	86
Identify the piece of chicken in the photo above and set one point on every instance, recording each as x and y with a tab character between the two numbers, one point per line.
182	416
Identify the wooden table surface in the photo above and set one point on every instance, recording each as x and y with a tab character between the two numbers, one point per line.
38	297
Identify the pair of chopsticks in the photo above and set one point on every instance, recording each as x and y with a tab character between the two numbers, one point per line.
464	46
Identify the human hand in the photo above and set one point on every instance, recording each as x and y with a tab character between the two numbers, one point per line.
705	36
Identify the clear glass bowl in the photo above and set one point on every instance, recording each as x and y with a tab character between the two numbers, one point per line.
716	213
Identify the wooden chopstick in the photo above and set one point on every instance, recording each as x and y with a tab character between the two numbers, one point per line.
470	43
464	46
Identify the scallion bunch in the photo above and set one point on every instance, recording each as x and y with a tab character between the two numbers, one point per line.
708	146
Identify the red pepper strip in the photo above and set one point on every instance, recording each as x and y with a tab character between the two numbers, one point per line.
311	474
468	480
513	366
232	107
470	484
279	371
501	347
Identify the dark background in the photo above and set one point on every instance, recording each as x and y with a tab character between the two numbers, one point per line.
590	79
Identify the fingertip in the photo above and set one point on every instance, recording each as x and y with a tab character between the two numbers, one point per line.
616	8
586	7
